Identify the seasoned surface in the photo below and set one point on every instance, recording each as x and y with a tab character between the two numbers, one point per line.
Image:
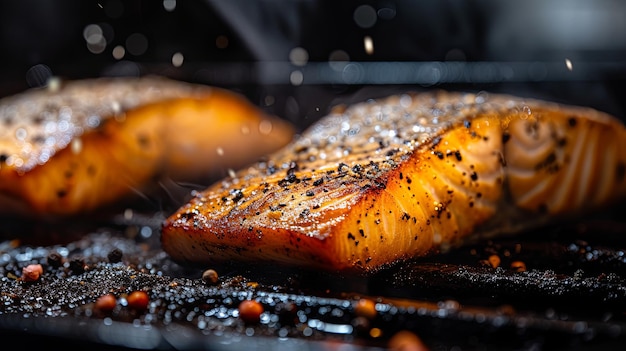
76	146
384	181
39	123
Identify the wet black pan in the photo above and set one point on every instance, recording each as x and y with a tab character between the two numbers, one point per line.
571	295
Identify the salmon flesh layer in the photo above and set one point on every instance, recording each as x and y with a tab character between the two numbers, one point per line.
72	149
383	181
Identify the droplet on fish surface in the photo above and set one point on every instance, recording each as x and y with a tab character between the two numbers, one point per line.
265	127
77	146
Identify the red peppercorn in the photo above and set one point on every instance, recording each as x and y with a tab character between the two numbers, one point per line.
250	311
32	272
518	266
365	308
106	303
138	300
210	277
494	261
406	341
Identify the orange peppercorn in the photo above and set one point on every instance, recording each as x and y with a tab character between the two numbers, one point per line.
138	300
32	272
405	340
250	311
518	266
365	308
494	261
210	277
106	303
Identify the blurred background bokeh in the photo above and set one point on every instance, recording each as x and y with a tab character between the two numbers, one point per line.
296	58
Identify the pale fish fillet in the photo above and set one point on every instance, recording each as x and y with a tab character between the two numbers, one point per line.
72	149
380	182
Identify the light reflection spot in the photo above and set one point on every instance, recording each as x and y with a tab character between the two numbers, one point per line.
368	43
119	52
169	5
77	146
265	127
296	78
177	59
298	56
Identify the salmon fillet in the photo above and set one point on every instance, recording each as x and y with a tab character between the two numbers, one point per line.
71	149
383	181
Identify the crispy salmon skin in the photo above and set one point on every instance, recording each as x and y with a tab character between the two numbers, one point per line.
70	149
387	180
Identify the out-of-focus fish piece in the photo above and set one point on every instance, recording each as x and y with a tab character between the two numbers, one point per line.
72	149
384	181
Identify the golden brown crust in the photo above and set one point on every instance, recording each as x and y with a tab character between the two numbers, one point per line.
93	142
384	181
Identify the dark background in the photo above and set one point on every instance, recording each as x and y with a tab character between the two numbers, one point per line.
518	47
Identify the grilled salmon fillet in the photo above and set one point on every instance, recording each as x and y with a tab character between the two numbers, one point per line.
387	180
73	148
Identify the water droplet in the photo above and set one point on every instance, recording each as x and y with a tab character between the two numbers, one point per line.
338	59
298	56
53	84
406	100
145	232
92	33
15	160
177	59
119	52
137	44
94	36
265	127
387	13
365	16
116	107
50	127
20	134
77	146
169	5
44	157
296	78
437	238
38	75
92	121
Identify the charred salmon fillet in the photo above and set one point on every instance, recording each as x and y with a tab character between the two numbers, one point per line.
72	148
387	180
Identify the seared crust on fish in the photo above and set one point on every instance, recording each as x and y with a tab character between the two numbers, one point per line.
72	149
384	181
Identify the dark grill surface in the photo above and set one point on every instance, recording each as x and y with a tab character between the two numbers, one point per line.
572	295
